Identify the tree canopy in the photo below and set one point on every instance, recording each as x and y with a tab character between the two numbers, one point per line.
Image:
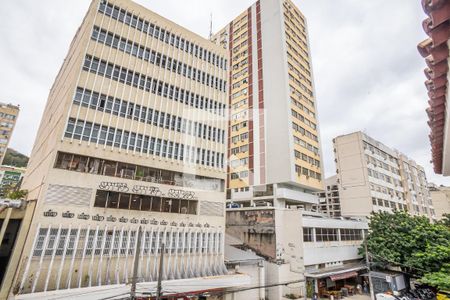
418	247
14	158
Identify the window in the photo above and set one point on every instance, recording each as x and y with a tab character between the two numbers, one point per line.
100	166
351	234
127	201
307	234
326	234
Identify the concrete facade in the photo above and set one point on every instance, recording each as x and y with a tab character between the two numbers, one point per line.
374	177
440	196
329	202
8	119
294	244
133	136
274	138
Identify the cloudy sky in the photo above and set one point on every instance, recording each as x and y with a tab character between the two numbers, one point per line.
368	73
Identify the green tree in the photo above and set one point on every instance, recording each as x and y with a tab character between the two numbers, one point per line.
445	220
414	244
14	158
20	194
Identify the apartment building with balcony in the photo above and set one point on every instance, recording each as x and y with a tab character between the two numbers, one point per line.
440	196
133	136
8	119
373	177
329	203
273	135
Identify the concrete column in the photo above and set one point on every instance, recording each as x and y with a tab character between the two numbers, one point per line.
5	224
262	281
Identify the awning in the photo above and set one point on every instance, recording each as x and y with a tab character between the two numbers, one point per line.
344	275
347	271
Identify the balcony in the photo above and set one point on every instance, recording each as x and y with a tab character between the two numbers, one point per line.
294	195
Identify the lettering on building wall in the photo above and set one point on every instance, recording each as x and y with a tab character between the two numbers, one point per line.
146	190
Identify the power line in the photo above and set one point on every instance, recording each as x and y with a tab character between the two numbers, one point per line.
221	293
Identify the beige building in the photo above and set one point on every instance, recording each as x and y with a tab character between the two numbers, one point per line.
275	164
133	136
329	202
373	177
8	118
440	196
274	140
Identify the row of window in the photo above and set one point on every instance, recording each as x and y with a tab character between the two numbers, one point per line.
239	175
108	199
309	159
241	149
379	152
148	84
101	134
143	114
303	131
331	234
301	85
120	242
307	172
385	190
303	119
239	162
7	116
238	126
389	204
383	165
99	166
156	58
302	107
239	138
384	177
162	34
296	92
306	145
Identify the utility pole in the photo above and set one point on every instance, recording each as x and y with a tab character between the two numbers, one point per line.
161	262
136	265
372	292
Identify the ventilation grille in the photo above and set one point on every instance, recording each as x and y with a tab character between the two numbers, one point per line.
68	195
208	208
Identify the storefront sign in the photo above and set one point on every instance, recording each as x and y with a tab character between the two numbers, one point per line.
83	216
180	194
97	217
68	214
113	186
50	213
146	190
111	219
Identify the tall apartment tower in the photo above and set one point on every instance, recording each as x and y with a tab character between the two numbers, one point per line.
8	118
274	144
133	136
373	177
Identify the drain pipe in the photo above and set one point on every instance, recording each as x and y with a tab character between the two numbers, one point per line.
262	280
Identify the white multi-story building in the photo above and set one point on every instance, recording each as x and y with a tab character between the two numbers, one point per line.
374	177
133	136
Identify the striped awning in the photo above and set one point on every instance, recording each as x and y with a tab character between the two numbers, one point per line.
343	275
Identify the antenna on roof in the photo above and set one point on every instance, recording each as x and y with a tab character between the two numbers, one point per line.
210	27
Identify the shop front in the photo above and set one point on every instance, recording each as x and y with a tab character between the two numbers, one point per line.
336	282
